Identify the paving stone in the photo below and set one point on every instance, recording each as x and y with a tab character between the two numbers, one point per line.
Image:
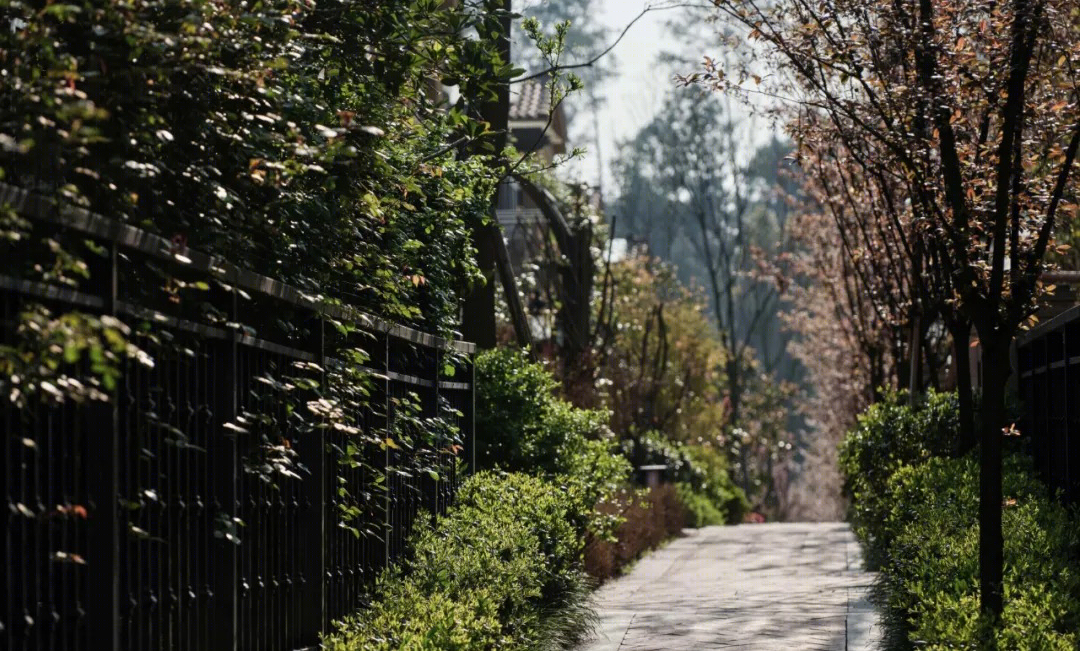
755	587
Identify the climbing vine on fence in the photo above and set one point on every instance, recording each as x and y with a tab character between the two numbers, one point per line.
312	143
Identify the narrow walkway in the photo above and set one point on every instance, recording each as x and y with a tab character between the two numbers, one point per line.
767	587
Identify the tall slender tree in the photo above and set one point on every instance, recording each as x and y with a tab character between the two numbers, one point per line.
478	317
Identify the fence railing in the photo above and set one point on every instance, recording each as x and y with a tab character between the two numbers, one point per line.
212	502
1048	360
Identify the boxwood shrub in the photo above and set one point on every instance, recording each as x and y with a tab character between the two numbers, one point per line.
501	570
932	563
711	479
522	426
698	509
888	435
919	511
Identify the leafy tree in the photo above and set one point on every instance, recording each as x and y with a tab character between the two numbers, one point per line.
660	366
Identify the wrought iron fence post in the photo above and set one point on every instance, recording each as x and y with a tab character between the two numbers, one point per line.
470	418
103	549
226	592
1063	394
314	519
1047	406
437	503
388	524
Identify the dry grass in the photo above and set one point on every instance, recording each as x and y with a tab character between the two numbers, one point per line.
651	519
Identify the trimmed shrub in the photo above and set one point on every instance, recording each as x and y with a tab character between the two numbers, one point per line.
889	435
946	490
712	480
522	426
501	570
918	512
408	619
932	564
698	509
532	502
513	396
594	474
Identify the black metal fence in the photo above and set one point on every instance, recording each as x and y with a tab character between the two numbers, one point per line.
209	504
1048	360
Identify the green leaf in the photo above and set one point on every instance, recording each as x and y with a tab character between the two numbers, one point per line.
71	353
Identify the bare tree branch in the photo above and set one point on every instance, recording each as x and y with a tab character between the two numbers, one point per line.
590	62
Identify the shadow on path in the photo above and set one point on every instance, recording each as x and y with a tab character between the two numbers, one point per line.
767	587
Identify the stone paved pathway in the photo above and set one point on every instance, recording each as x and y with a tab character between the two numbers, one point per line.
767	587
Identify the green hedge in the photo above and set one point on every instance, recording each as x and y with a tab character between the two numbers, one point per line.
522	426
710	480
513	396
921	519
932	561
501	570
889	435
698	509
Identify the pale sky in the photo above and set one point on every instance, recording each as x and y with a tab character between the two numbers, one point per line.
637	89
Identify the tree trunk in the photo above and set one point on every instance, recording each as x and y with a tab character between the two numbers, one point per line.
915	357
877	374
577	288
513	296
960	332
995	372
478	318
932	366
731	369
478	314
901	355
